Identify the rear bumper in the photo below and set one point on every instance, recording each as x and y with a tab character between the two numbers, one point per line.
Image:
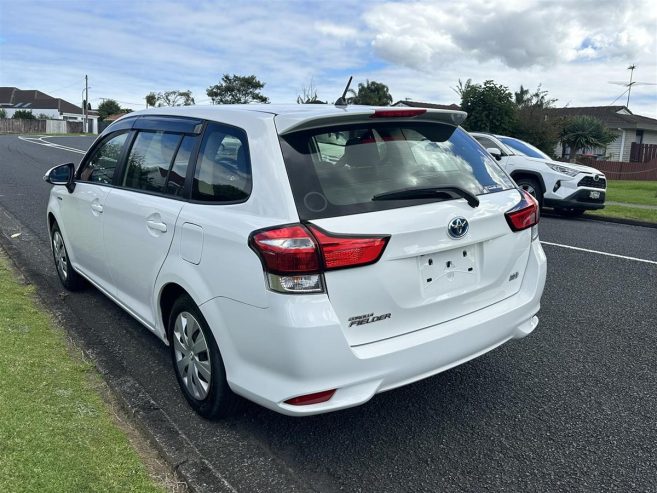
296	346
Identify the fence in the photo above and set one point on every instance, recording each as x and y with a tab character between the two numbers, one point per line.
642	153
618	170
20	126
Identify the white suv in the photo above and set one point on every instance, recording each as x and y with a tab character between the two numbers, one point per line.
303	257
570	189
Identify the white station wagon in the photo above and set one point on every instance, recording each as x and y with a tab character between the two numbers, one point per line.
304	257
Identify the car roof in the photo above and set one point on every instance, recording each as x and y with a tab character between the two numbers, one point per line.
293	117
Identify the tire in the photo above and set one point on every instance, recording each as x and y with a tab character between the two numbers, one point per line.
70	279
532	186
197	362
569	212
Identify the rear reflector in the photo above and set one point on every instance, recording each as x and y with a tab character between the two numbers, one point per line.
398	113
525	214
340	251
316	398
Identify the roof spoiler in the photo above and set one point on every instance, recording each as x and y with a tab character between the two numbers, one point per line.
289	123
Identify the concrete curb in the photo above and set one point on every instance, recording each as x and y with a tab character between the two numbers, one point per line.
155	424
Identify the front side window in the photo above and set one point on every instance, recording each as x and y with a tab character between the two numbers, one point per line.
149	161
101	166
223	169
487	143
344	170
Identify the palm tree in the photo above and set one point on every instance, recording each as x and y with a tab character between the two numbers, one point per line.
583	131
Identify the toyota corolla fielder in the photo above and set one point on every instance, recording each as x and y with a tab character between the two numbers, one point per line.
303	257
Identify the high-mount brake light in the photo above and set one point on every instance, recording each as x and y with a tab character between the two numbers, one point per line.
398	113
525	214
294	257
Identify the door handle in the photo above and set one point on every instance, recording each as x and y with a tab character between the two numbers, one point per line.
97	207
157	226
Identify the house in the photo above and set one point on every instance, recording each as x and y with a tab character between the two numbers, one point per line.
628	127
418	104
40	103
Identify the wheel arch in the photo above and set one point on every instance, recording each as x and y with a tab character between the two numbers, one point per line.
520	173
169	293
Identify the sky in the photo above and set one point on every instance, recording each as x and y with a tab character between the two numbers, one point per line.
419	49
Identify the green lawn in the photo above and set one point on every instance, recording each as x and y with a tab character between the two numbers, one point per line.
622	212
56	432
633	192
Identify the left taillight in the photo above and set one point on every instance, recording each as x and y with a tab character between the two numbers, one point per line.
524	215
295	257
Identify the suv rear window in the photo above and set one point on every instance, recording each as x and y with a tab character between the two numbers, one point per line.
336	171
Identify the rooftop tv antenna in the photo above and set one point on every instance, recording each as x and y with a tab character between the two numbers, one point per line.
630	84
342	100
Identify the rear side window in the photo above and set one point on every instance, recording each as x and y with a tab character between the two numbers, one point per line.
149	161
101	166
223	169
338	170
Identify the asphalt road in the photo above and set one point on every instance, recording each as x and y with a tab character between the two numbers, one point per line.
573	407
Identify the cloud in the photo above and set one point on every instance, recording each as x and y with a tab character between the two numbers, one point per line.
424	36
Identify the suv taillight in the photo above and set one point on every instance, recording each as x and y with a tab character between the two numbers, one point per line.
295	256
525	214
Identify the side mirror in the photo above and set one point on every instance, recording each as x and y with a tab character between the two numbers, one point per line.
64	174
495	152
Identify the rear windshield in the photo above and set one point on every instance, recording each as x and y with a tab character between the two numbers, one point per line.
336	171
524	148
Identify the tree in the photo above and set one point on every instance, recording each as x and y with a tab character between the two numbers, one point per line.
490	107
108	107
3	113
23	115
531	125
172	98
371	93
151	99
580	132
237	89
309	95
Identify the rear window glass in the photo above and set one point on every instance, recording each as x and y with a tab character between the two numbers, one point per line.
337	171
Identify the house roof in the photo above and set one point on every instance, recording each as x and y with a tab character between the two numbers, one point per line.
612	116
419	104
32	99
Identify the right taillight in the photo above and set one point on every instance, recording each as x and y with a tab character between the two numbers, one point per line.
295	256
525	214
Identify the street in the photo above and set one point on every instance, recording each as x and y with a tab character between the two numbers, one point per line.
572	407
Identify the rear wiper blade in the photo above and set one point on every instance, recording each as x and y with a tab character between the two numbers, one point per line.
428	193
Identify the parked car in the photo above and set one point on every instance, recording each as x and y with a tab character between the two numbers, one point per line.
571	189
303	257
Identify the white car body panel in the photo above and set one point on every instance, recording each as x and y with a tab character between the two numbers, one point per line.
277	346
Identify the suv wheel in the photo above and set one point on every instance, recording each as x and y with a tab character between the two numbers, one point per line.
197	362
70	279
531	186
569	212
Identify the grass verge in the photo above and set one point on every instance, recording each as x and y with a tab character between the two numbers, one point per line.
622	212
56	432
632	192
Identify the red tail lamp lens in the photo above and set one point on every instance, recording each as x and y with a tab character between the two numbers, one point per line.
525	214
287	250
342	251
316	398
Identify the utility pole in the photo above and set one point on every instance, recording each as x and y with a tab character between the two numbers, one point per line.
86	101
